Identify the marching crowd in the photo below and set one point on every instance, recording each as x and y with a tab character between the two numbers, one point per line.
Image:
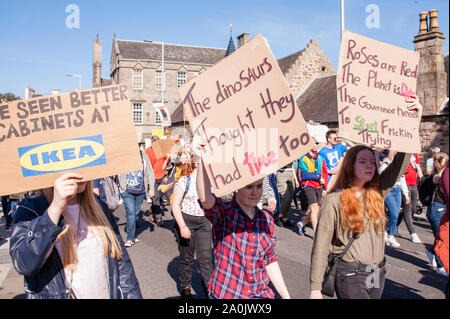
352	196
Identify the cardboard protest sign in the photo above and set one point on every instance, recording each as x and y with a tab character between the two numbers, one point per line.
90	132
164	116
158	132
162	147
245	110
318	131
374	79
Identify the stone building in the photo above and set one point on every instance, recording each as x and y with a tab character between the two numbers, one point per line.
299	68
318	100
139	65
432	83
302	67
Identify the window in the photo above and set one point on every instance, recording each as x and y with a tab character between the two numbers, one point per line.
138	79
158	80
181	79
138	113
157	117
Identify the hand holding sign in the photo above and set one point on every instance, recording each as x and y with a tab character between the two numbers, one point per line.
244	110
413	104
90	132
65	188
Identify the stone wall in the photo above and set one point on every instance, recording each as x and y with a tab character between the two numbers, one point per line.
184	132
149	94
433	132
432	78
310	63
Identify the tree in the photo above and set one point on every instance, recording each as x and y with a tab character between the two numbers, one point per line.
8	97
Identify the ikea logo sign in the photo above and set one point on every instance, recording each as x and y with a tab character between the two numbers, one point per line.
62	155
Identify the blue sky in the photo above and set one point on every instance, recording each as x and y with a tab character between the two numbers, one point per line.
37	49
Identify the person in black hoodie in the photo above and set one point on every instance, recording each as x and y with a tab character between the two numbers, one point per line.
67	245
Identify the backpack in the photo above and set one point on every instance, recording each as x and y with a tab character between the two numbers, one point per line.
111	192
135	181
427	190
168	183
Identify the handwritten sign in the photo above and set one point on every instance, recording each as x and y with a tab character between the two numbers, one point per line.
164	146
90	132
244	109
373	82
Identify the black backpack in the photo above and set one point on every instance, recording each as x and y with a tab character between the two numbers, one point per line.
427	190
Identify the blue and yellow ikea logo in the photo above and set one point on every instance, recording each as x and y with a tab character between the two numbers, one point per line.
62	155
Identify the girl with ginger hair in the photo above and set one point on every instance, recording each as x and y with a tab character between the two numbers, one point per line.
192	229
355	205
67	245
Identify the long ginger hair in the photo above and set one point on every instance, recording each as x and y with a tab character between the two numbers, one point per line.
188	167
353	209
92	213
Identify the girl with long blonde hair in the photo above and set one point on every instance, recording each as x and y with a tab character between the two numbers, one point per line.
67	245
355	205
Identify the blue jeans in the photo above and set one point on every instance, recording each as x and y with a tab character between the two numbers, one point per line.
393	202
12	204
6	209
132	203
434	214
296	192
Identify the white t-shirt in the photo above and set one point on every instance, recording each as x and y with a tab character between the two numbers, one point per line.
90	278
190	203
430	163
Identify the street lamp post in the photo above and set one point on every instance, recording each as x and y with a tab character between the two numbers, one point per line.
77	76
342	18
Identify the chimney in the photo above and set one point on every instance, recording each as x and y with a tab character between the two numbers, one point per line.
434	25
431	75
242	39
423	22
97	64
29	92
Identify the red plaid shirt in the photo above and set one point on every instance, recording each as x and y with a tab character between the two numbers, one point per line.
242	250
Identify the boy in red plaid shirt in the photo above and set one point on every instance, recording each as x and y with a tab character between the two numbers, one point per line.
244	244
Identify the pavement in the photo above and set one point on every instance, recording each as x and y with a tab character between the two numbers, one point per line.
155	259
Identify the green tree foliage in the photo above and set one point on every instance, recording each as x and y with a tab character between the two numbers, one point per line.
7	97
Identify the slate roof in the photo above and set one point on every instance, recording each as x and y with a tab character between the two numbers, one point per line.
146	50
318	102
106	82
177	115
231	48
286	62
